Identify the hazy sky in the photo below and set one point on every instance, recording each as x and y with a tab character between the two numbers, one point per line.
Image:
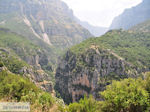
99	12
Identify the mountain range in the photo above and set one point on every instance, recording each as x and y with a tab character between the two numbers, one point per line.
47	20
87	68
132	16
50	58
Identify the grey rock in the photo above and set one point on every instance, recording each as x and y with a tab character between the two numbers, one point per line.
88	73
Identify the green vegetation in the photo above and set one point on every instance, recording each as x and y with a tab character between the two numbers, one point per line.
85	105
133	47
128	95
12	62
1	64
17	52
17	43
15	88
142	27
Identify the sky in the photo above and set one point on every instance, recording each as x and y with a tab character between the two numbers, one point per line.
99	12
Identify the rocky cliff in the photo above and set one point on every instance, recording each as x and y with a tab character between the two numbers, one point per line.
89	73
133	16
91	65
20	56
47	20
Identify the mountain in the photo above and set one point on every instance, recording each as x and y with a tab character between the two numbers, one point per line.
88	67
36	32
95	30
142	27
46	20
21	56
131	17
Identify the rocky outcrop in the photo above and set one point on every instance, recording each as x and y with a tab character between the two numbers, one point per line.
32	68
37	73
89	72
39	77
133	16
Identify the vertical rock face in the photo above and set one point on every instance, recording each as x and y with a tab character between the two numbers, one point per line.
47	24
88	73
37	71
131	17
49	20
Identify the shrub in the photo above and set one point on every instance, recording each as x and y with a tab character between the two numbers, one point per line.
1	64
14	86
128	95
85	105
46	101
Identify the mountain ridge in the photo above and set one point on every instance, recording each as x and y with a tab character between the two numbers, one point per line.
48	20
132	16
88	67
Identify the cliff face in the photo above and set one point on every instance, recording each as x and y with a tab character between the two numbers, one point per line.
15	65
20	56
47	20
133	16
89	73
88	67
41	30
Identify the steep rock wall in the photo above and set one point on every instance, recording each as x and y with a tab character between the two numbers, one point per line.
88	73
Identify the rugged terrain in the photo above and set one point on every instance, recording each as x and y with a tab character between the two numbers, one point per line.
21	56
48	20
35	32
88	67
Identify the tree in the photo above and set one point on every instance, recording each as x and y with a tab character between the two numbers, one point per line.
128	95
85	105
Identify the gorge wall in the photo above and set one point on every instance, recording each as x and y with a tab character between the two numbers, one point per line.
89	73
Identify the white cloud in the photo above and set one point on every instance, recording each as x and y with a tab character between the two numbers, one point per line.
99	12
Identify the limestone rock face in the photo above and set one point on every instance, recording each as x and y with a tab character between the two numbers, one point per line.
36	73
43	28
39	77
89	73
47	20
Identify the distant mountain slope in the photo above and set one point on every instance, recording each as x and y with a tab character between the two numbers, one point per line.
142	27
95	30
47	20
89	66
131	17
